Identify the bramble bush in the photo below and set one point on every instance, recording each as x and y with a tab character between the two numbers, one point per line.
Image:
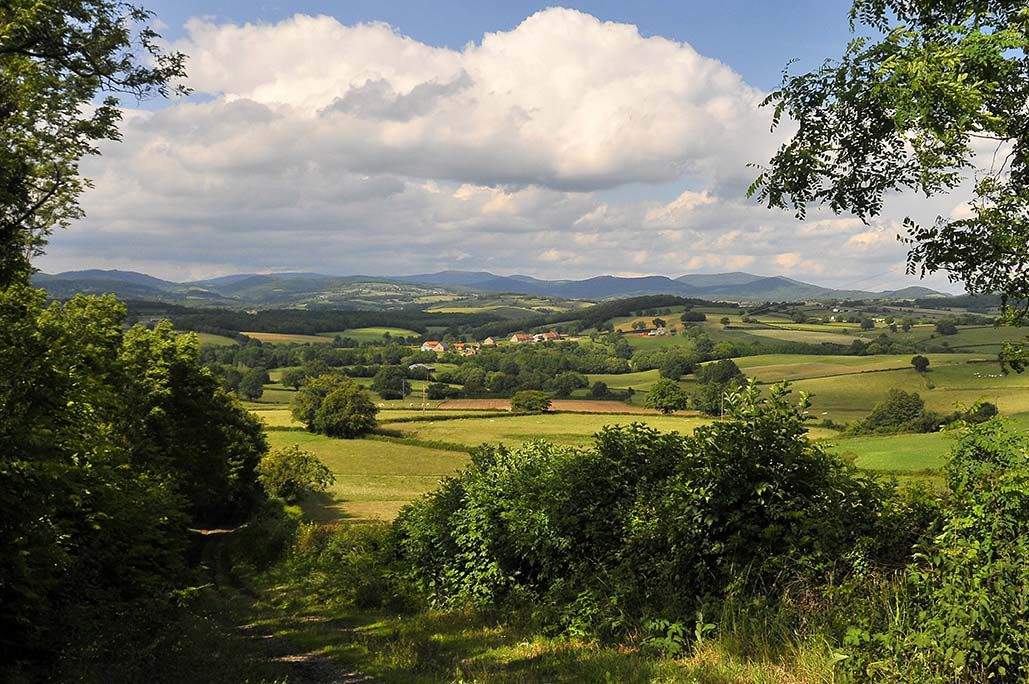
292	473
530	401
646	525
962	613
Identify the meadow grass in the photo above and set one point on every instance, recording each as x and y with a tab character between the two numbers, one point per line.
777	367
464	645
374	479
560	428
371	334
287	338
640	380
851	397
212	340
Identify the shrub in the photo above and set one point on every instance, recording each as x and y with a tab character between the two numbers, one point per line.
530	401
390	382
292	474
346	412
352	565
437	390
310	397
920	363
563	384
350	413
675	366
980	412
645	524
294	377
900	411
961	613
251	384
719	372
599	390
667	396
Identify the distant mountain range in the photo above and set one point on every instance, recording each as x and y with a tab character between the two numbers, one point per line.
736	286
294	289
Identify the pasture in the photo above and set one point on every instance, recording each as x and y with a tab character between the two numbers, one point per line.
851	397
803	335
374	478
909	453
287	338
777	367
212	340
560	428
373	334
639	380
896	453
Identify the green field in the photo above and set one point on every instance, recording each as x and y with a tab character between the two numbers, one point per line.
909	452
212	340
276	394
980	339
807	336
897	453
276	417
371	334
639	380
374	479
851	397
776	367
286	338
559	428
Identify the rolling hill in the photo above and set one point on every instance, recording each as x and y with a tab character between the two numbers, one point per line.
735	286
360	292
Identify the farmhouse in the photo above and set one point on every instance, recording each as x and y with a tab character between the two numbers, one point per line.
657	332
466	348
548	336
519	338
489	342
434	346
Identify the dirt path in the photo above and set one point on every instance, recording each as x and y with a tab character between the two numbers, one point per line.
299	666
289	659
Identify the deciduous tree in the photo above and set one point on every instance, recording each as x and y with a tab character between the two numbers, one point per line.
63	66
904	109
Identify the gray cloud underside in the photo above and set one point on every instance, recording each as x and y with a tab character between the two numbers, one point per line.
355	149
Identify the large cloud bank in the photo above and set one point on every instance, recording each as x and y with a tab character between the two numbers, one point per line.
565	147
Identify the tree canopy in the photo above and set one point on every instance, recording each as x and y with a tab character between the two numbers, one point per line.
934	99
63	66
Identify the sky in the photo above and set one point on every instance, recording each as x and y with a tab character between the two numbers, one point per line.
515	137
